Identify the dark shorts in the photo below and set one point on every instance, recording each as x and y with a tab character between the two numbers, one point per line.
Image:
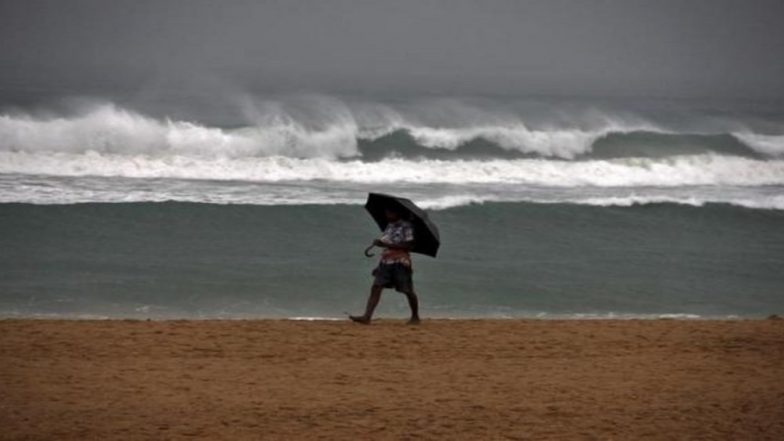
394	275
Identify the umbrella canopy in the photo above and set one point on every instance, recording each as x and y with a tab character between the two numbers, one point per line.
426	239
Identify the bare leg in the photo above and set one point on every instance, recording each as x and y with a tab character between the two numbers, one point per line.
372	302
413	303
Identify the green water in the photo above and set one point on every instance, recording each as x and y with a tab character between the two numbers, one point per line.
497	259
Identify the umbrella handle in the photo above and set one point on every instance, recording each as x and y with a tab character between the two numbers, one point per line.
367	251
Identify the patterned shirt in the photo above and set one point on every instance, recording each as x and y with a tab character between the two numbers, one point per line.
397	233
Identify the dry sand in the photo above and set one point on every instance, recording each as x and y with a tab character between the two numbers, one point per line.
477	380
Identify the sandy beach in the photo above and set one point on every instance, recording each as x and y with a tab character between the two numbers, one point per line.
466	379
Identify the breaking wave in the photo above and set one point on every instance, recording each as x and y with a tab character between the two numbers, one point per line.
110	154
770	202
111	130
705	169
772	145
346	134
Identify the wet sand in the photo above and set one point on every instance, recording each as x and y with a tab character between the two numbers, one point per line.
473	380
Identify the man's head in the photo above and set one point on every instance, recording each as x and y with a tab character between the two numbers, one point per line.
392	214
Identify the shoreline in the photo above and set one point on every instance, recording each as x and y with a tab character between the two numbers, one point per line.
444	379
541	317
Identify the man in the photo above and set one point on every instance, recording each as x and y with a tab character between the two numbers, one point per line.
394	269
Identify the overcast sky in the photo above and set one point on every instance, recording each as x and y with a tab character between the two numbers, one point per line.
679	48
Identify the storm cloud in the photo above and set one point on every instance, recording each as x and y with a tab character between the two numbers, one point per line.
713	48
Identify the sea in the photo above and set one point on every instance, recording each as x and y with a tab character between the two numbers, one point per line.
252	206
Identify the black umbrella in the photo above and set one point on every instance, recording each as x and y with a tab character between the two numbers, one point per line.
426	240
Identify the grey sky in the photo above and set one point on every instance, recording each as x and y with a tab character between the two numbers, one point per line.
712	48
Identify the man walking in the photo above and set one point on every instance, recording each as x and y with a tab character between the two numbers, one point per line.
394	269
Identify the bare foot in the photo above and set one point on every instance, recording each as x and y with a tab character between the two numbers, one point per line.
360	319
414	321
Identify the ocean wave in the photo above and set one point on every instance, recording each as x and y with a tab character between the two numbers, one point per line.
345	133
767	203
755	202
772	145
108	129
43	189
705	169
562	143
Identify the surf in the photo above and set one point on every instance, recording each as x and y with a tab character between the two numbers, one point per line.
339	132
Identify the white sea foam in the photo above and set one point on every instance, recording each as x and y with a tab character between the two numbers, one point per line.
772	145
273	131
764	202
70	190
278	148
563	143
695	200
704	169
107	129
110	129
331	130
